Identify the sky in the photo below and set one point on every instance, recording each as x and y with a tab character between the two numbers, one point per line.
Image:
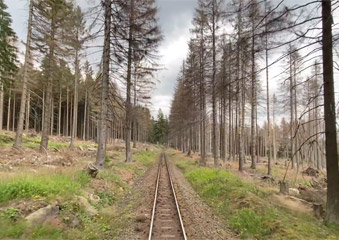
175	21
175	18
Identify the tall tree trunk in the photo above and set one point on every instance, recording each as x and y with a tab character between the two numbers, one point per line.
129	84
13	112
269	166
9	110
75	101
332	213
296	142
253	99
47	107
135	119
101	152
28	110
20	127
202	102
52	115
59	112
85	117
214	107
273	130
1	105
67	111
292	113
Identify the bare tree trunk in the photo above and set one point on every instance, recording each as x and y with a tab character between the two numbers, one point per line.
332	213
43	107
28	110
292	114
135	124
1	105
52	115
75	101
101	153
67	111
269	165
85	117
202	103
47	107
253	100
59	114
13	112
128	90
296	142
20	127
214	110
9	110
273	131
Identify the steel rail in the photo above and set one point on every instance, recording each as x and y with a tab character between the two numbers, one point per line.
176	201
156	197
155	202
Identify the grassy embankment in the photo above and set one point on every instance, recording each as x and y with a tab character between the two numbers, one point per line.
22	189
248	208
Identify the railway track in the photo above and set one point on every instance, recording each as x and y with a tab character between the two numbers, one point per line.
166	221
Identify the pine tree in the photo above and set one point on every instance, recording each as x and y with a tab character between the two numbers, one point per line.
7	53
138	38
102	135
77	39
49	23
18	138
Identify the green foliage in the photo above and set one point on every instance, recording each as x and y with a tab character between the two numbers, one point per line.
11	213
10	230
248	210
111	176
147	158
47	232
42	186
107	160
249	224
186	165
160	129
7	49
6	140
107	198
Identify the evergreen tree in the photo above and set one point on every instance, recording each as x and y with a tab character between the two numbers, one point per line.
7	52
7	48
160	129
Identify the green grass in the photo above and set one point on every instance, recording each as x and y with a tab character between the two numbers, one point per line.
42	186
147	158
34	142
247	208
20	230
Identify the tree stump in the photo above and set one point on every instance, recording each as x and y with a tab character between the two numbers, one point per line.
284	188
91	170
318	211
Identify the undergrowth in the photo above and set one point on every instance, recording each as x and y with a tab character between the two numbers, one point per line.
43	186
147	158
247	208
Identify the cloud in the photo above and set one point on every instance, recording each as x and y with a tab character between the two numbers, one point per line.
175	19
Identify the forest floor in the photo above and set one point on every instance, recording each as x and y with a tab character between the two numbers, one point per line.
47	195
250	203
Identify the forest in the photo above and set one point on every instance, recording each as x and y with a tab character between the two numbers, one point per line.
250	141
